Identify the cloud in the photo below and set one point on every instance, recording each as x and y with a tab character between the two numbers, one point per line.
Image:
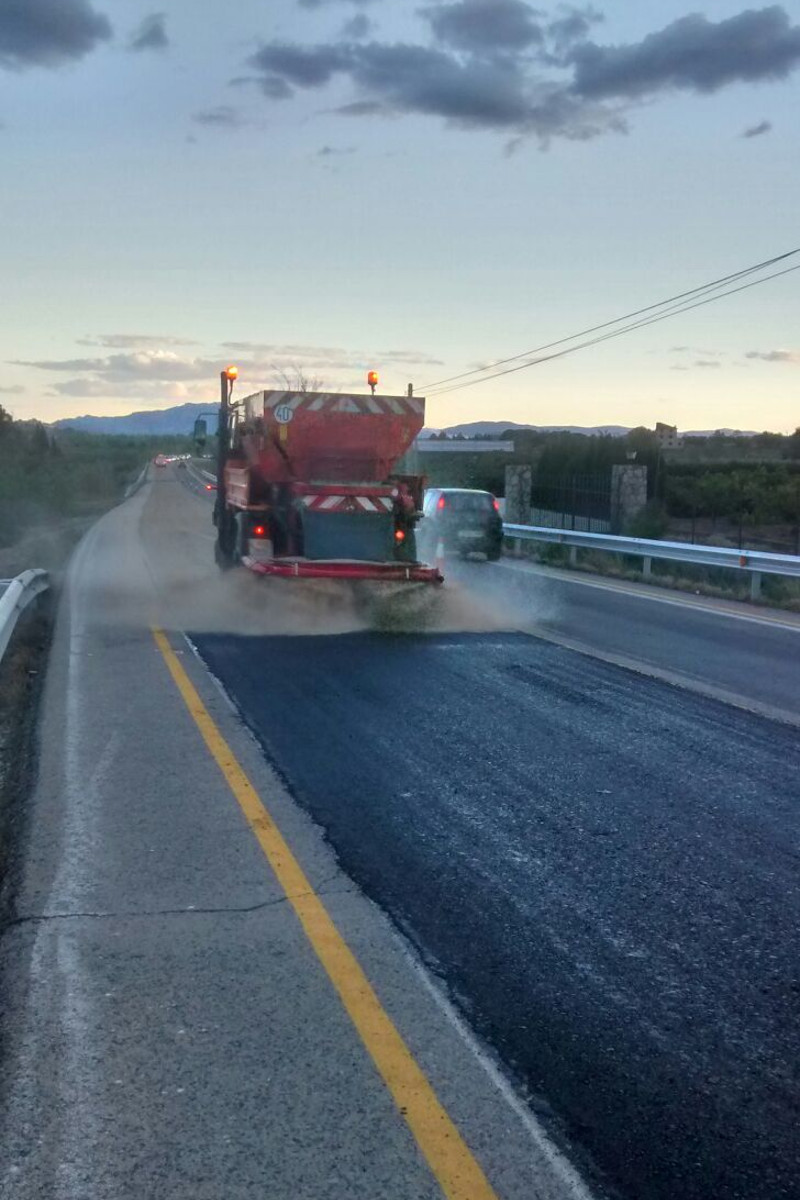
757	130
574	26
706	362
15	389
160	365
357	28
334	151
484	26
133	341
327	3
776	356
699	350
151	34
693	54
224	116
303	66
49	33
153	373
499	64
466	91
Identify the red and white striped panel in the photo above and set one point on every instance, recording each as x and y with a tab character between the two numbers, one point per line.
398	406
334	503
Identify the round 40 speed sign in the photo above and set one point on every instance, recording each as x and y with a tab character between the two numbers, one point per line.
284	414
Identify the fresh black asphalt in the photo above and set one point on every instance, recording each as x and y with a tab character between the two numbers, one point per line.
601	867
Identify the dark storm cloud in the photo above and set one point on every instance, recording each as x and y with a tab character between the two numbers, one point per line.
303	66
757	130
573	26
481	26
693	54
49	33
420	79
496	64
151	34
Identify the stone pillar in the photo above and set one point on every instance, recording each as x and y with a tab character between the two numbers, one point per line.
628	494
518	495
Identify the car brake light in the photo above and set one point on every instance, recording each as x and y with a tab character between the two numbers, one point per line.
440	503
495	504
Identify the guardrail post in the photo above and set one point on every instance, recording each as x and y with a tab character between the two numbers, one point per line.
647	566
755	585
573	556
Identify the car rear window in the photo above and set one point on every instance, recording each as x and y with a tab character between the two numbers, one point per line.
469	501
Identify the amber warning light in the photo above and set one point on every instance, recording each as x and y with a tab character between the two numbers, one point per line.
372	380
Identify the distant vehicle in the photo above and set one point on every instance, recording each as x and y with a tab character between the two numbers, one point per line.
182	464
160	460
463	520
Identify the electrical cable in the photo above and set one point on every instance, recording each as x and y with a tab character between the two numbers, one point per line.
676	310
703	288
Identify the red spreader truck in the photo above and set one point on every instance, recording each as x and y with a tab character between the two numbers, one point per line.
309	485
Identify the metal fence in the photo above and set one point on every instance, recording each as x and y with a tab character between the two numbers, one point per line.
578	502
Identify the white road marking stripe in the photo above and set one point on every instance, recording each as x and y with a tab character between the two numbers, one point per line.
686	604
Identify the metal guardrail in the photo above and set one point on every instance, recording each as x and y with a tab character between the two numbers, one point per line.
17	596
756	562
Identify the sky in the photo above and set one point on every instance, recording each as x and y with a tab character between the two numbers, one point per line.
319	187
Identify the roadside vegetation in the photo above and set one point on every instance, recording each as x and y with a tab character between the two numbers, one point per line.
54	483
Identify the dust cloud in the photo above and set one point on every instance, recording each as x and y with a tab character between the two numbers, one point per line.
151	561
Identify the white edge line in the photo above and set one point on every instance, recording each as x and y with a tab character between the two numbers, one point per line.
566	1173
686	605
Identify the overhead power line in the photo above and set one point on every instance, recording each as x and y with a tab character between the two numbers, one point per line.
674	305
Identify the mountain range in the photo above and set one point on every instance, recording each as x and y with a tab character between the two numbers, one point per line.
181	418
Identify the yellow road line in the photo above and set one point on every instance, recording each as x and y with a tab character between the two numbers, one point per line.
449	1158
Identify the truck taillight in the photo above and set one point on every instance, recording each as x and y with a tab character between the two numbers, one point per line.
259	531
399	535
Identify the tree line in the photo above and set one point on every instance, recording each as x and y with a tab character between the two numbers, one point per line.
48	474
